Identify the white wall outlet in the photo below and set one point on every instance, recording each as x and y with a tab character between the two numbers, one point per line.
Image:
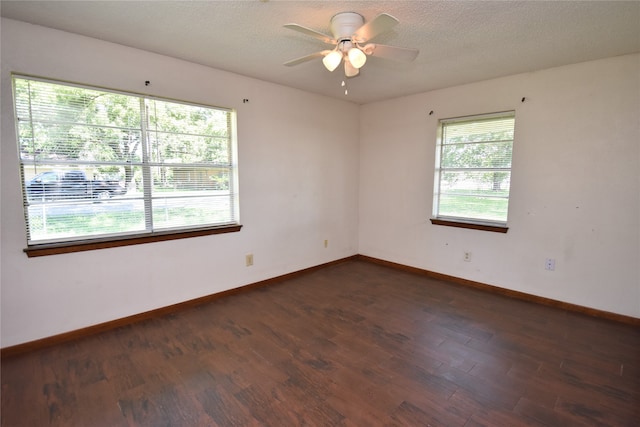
326	243
249	260
467	256
550	264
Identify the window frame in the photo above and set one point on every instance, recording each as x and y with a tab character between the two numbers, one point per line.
466	222
106	240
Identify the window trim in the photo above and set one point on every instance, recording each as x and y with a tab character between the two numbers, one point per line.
497	228
468	223
111	241
44	249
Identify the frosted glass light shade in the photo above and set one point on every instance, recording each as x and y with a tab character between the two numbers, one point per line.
357	57
349	69
332	60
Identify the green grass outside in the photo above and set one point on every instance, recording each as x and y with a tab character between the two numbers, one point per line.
61	226
477	207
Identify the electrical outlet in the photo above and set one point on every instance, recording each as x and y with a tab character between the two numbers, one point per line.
249	260
467	256
326	243
550	264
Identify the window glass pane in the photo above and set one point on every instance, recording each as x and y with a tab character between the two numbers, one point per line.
185	197
71	202
58	122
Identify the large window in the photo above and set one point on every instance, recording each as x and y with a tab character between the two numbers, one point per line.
473	169
100	164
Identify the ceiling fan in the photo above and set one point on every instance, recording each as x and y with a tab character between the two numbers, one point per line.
350	33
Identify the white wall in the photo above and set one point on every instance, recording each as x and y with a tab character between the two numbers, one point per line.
298	186
575	192
308	172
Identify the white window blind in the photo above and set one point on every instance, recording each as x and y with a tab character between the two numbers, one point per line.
473	168
99	163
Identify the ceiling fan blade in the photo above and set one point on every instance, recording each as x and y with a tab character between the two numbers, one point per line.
379	24
313	33
306	58
391	52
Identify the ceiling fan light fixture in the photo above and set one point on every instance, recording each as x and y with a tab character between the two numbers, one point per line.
332	60
349	69
349	35
357	57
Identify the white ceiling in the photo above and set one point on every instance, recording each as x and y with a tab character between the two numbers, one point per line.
459	41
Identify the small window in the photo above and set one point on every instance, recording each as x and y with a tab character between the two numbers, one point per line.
100	164
473	169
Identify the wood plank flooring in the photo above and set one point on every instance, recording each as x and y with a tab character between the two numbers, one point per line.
354	344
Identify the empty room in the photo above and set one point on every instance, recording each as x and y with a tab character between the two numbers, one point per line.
320	213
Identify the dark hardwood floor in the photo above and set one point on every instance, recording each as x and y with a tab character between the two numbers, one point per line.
353	344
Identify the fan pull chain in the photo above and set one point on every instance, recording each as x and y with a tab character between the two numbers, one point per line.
344	85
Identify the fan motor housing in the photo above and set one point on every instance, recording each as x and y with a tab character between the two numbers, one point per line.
344	24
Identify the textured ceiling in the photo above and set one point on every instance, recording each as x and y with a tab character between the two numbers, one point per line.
459	41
